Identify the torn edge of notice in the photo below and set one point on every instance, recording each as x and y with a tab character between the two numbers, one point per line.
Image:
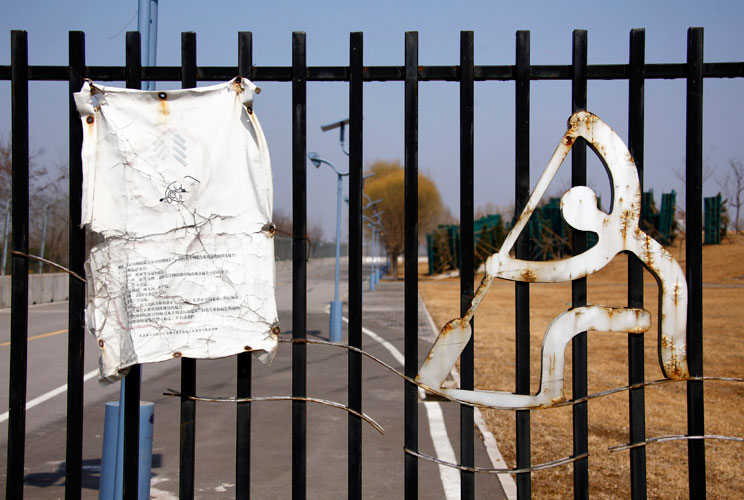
178	184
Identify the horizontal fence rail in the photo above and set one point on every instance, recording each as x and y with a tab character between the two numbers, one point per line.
382	73
636	72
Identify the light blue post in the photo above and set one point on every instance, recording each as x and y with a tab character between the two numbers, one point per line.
112	458
5	234
375	276
43	237
143	26
152	46
336	306
147	25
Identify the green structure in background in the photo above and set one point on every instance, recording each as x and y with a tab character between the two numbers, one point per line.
660	224
550	236
443	244
712	208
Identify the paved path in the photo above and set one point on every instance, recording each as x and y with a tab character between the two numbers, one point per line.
271	473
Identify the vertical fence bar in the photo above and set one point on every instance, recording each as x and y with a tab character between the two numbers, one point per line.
578	287
411	263
467	251
76	301
299	264
522	290
188	365
245	361
19	291
356	109
636	374
694	264
132	385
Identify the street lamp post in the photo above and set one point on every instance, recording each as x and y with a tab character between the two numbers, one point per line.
336	307
373	222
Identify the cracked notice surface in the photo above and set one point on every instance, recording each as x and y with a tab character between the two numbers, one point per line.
179	185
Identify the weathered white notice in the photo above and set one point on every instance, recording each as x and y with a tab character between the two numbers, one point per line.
178	183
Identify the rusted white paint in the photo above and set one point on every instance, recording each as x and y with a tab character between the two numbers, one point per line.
617	232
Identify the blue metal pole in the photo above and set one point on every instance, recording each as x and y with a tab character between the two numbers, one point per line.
43	237
335	327
111	483
5	234
143	26
152	46
147	25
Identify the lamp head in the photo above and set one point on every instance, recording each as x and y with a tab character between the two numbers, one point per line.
315	158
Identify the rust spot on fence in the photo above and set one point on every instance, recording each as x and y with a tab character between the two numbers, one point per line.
177	354
625	221
237	85
673	368
569	140
276	330
529	275
100	343
163	103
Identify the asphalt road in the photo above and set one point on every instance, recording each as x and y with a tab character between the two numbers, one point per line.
271	421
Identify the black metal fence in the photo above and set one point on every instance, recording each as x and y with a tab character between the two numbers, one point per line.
636	72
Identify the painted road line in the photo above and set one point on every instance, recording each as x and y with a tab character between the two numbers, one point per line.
437	429
49	395
492	449
43	335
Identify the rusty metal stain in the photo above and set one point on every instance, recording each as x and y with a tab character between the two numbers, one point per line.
529	275
163	103
237	85
617	232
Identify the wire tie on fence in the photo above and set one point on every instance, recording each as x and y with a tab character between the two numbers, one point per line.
662	381
325	402
283	234
673	437
484	470
49	262
447	397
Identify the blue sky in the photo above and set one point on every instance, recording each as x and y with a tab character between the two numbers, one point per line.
328	23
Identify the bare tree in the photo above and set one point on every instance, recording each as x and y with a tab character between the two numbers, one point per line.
47	198
732	186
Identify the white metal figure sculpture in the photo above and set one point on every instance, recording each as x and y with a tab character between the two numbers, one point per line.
617	232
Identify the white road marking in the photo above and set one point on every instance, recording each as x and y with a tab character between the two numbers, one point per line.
437	429
49	395
492	448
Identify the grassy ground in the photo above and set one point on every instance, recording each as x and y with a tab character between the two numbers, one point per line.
723	325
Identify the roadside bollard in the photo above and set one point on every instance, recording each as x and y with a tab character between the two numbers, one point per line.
112	458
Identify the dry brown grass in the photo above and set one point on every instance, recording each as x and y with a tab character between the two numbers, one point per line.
607	368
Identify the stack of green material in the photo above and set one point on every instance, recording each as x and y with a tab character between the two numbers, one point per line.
443	244
712	208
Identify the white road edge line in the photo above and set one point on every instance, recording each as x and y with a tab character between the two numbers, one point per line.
49	395
437	429
492	448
